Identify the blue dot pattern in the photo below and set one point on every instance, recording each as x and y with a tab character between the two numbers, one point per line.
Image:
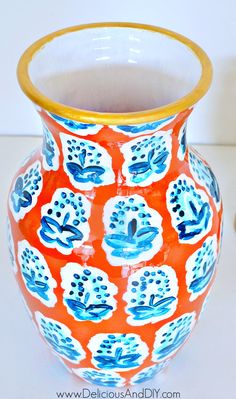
118	352
200	267
172	336
86	163
88	294
191	214
58	336
151	295
36	274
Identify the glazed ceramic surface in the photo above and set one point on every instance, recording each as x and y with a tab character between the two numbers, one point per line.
113	228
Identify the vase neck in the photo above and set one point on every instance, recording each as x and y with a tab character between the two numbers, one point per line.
91	153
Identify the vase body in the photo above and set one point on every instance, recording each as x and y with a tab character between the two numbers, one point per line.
114	230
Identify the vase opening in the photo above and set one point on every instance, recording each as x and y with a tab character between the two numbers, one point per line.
114	68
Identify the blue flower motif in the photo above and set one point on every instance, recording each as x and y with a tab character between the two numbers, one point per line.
64	221
35	285
26	190
101	378
117	352
48	151
151	294
133	230
64	234
143	128
199	220
204	176
110	382
72	124
119	360
67	349
148	373
154	164
48	148
101	381
147	159
183	141
190	210
131	244
93	312
88	294
178	340
36	274
171	336
59	338
198	284
20	197
200	267
213	186
87	174
86	163
155	309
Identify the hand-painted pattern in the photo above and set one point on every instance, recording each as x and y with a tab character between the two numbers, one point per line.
191	214
151	295
133	231
11	246
147	159
204	176
118	352
182	142
25	192
50	150
36	274
80	128
101	378
88	294
171	336
148	373
64	221
58	336
144	128
200	267
86	163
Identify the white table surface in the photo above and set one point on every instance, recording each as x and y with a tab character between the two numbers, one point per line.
205	368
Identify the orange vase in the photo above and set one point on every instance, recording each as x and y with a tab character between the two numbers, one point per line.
115	222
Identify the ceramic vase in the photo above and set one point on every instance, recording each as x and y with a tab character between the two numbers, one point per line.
115	222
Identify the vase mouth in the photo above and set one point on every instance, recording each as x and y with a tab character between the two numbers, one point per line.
148	114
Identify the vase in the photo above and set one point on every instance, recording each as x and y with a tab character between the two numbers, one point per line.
115	222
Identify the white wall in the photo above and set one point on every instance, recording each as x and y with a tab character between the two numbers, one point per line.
211	23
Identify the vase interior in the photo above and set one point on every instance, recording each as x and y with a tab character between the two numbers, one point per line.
115	69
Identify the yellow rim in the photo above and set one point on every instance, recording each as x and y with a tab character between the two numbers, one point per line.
114	118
